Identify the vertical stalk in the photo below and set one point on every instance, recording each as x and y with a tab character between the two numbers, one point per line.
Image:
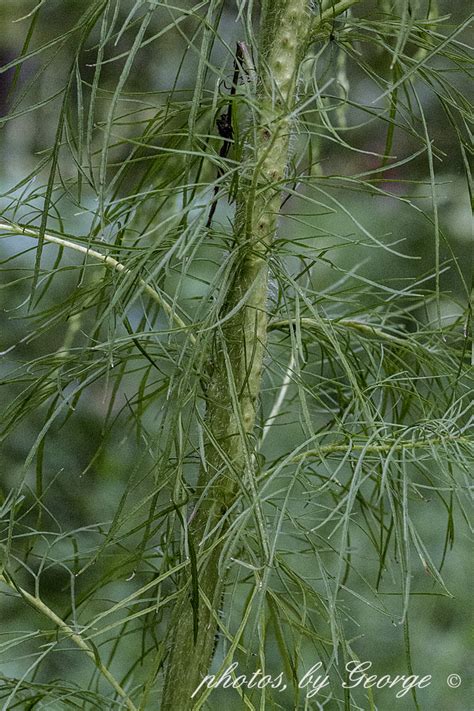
235	364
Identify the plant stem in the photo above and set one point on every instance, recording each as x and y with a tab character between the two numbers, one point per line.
105	259
331	12
387	447
367	329
43	609
235	364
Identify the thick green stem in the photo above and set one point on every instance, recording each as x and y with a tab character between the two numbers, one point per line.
235	365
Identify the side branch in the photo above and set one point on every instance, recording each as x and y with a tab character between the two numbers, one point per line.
387	447
332	12
46	611
105	259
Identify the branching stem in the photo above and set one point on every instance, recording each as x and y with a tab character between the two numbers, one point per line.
105	259
382	448
46	611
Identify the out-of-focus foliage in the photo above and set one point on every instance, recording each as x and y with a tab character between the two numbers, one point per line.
108	143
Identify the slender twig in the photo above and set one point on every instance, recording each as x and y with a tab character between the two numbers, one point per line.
385	448
365	328
332	12
43	609
106	260
277	405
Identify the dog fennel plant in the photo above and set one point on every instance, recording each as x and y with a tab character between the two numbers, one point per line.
255	425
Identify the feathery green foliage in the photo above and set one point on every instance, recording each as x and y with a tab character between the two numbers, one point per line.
236	356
